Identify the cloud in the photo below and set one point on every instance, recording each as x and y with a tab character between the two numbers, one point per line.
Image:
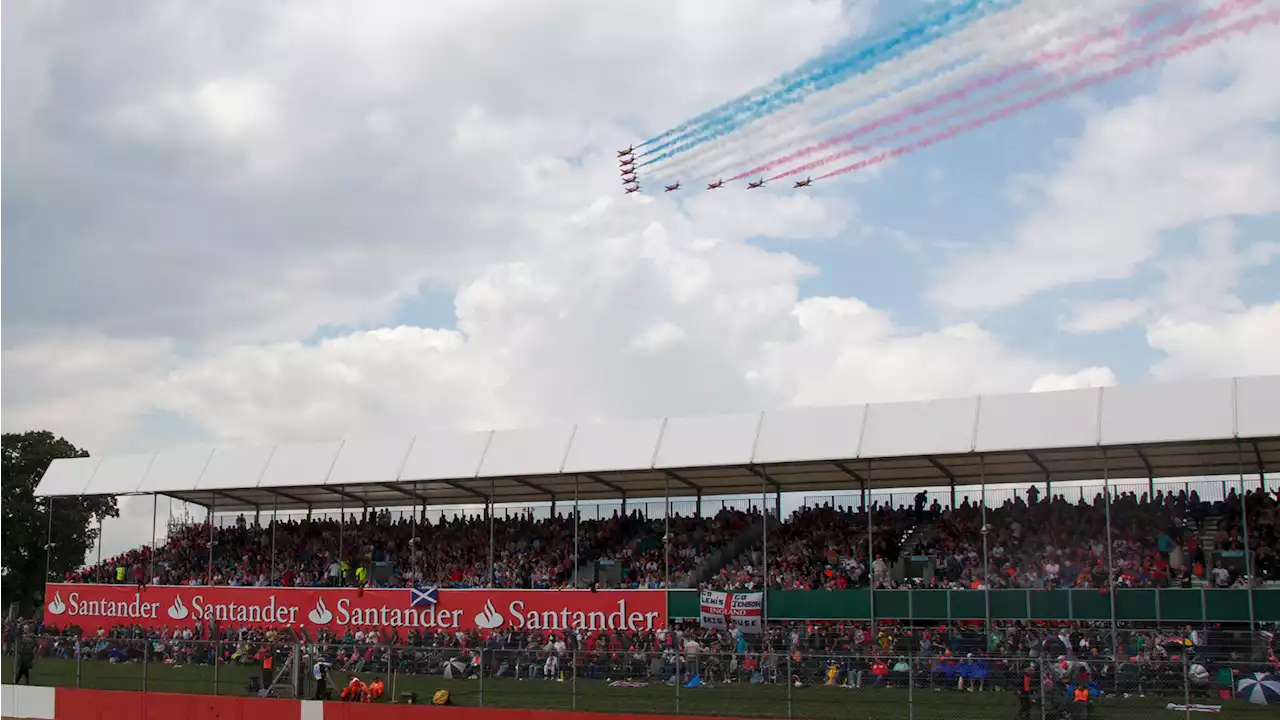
1102	316
1199	147
1089	377
1246	342
248	173
1205	328
624	310
87	387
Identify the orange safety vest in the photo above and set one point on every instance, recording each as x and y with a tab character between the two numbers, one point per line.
1081	695
375	691
353	690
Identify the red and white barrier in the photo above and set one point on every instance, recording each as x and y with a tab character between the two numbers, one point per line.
41	703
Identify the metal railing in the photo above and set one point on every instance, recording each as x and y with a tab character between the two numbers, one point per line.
901	682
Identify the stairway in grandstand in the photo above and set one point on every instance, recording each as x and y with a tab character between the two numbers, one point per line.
712	564
1209	536
920	532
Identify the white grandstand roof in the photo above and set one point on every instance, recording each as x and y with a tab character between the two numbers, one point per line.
1218	427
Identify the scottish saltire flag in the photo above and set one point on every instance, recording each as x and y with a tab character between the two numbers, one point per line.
422	597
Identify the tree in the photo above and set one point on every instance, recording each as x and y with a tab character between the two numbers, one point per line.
25	518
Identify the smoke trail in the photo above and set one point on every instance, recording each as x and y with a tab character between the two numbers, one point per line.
806	70
976	38
983	82
1144	43
1244	25
836	73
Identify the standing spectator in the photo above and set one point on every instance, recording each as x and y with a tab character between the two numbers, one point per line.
26	658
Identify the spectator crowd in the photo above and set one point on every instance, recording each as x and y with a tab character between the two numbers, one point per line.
1154	540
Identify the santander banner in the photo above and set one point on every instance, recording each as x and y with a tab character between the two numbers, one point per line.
402	609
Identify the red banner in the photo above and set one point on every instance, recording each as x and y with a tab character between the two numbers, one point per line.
157	606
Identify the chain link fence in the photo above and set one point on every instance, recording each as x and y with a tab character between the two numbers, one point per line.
905	683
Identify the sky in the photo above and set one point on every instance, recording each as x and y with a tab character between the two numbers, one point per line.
268	222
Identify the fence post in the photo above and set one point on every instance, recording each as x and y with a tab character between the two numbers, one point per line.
146	663
79	658
911	675
573	680
790	682
1044	700
392	672
483	665
1186	684
217	661
679	678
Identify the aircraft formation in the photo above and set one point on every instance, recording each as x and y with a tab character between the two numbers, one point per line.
631	180
952	69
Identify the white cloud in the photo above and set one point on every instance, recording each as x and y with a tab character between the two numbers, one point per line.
1206	329
626	310
1246	342
1102	316
87	387
1089	377
1200	147
244	173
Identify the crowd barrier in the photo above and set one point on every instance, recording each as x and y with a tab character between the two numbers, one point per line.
123	679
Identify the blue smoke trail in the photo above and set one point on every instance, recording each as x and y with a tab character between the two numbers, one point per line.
832	71
834	74
804	71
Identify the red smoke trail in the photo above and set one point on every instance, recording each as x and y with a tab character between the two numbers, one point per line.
1244	25
1145	18
1177	29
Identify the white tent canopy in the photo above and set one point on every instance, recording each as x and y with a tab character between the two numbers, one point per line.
1217	427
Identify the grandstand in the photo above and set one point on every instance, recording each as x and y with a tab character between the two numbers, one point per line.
956	534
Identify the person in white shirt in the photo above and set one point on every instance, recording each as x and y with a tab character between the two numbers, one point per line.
552	664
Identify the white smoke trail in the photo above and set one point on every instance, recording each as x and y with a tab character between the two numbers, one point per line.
984	33
982	46
1037	38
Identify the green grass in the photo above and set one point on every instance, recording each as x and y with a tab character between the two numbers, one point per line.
731	700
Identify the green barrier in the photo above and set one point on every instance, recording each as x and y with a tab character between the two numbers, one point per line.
1173	605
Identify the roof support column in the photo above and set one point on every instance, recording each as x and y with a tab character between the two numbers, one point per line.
275	510
764	532
576	521
213	505
986	560
871	593
1111	569
97	569
1248	562
953	493
48	544
493	571
666	533
413	534
342	521
151	552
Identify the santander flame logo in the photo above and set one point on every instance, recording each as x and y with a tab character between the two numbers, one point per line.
177	610
320	614
489	618
57	607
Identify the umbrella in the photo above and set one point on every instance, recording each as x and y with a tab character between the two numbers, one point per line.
1259	689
